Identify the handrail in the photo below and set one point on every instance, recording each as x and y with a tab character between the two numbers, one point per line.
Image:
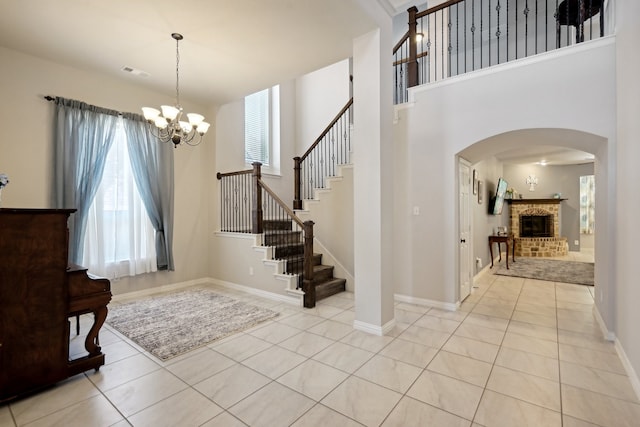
282	204
330	149
327	129
401	41
245	172
437	8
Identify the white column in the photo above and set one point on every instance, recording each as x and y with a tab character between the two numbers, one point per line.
373	181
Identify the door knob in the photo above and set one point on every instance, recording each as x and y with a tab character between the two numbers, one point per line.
463	241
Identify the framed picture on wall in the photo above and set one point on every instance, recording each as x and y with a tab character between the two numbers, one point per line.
475	182
480	192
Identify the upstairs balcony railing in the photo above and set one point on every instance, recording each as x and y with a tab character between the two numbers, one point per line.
459	36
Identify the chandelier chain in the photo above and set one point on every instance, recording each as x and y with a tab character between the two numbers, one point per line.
177	72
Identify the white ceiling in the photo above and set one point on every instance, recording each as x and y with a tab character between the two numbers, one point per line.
230	48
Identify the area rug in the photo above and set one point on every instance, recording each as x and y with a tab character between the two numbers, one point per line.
552	270
172	324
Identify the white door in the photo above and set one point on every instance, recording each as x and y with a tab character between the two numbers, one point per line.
464	184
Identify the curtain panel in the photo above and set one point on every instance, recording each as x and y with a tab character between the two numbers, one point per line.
83	136
152	164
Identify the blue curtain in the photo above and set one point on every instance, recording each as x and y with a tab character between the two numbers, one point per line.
152	164
83	136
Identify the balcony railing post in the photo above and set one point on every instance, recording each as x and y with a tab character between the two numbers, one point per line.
256	212
297	200
307	280
412	64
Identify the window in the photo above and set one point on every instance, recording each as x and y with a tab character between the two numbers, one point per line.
119	239
262	128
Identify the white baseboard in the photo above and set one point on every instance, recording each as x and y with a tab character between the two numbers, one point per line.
259	292
450	306
374	329
159	289
631	373
608	335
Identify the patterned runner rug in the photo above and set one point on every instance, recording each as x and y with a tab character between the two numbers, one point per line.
580	273
172	324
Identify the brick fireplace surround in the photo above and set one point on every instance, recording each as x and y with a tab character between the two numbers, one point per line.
537	246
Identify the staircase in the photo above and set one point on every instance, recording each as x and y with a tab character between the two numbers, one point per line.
288	247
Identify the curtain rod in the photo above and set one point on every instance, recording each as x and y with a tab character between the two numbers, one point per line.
120	113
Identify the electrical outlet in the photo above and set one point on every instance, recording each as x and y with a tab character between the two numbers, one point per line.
416	210
576	242
478	262
250	271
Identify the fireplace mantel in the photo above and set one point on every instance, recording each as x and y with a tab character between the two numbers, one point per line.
540	201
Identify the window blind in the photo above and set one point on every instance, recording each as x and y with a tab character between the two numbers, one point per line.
256	127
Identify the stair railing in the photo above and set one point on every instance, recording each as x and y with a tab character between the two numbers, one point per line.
248	205
331	148
460	36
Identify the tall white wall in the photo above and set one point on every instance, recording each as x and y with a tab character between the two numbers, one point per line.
546	92
626	228
26	152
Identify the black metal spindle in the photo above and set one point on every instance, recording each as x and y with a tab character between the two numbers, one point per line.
498	30
481	31
473	31
526	28
489	33
536	48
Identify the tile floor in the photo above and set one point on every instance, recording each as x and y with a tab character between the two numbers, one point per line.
520	352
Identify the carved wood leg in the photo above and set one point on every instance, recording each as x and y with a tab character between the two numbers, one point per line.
92	343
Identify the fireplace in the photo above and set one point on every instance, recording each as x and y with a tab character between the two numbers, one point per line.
536	225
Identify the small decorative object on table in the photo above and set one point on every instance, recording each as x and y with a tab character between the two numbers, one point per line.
510	193
4	180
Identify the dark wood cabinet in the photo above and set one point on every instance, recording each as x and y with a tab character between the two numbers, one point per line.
35	302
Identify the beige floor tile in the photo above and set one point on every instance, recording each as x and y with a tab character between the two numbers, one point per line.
232	385
274	361
326	311
488	310
409	352
95	411
275	332
306	344
397	329
365	341
591	341
599	381
530	344
343	356
530	388
6	420
458	316
535	309
241	347
406	316
454	396
529	363
122	371
437	323
332	330
62	395
225	419
347	317
461	367
532	330
594	359
580	316
338	302
585	327
362	401
200	366
535	319
320	415
273	405
411	412
118	350
143	392
498	410
599	409
313	379
471	348
186	408
486	321
424	336
390	373
574	422
480	333
575	306
413	307
302	321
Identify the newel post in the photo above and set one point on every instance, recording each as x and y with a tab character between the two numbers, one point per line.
307	281
297	201
256	213
412	64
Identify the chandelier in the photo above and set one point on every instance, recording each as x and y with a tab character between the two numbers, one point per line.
167	124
